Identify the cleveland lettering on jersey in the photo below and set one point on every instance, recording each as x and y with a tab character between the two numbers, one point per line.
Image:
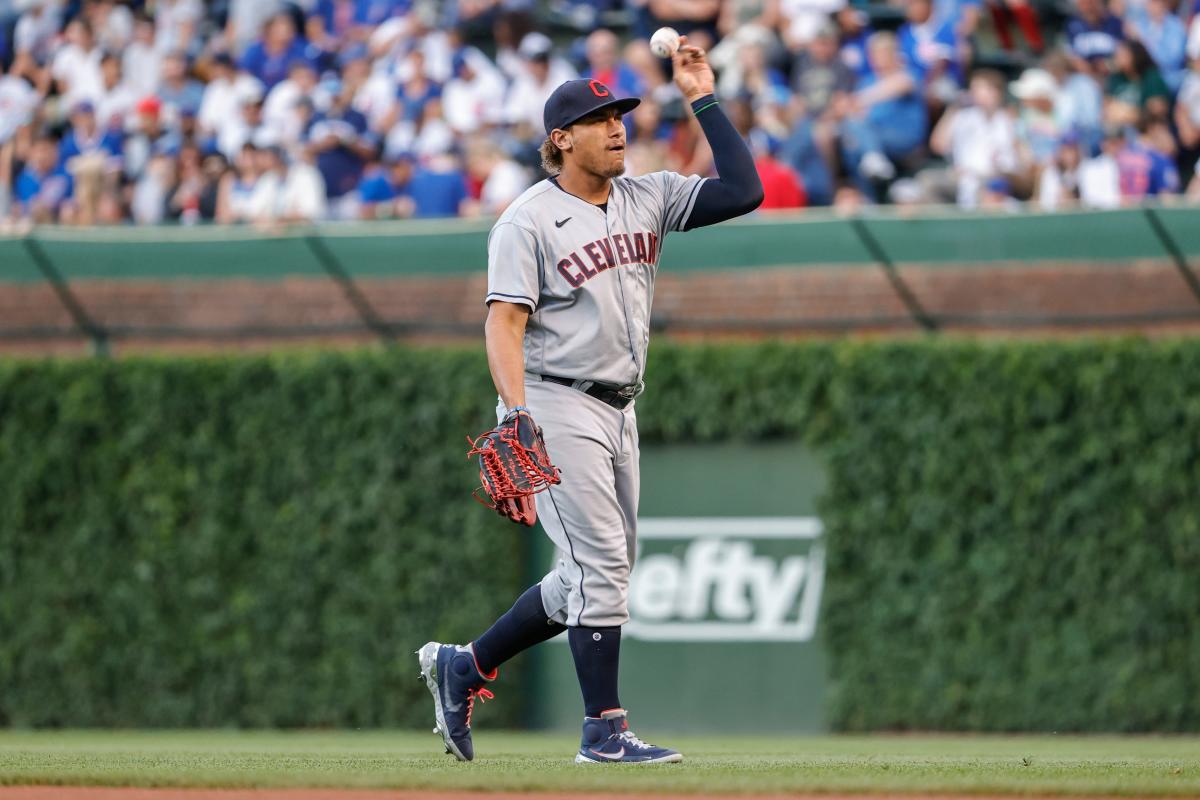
617	250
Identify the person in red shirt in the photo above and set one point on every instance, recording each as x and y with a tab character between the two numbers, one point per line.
782	188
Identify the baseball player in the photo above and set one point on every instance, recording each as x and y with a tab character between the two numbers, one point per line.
571	267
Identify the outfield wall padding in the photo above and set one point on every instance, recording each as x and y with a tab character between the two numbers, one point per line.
1013	529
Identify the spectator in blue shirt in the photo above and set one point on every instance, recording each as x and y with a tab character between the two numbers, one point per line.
439	189
854	26
1093	32
43	185
178	92
269	58
885	121
343	145
372	12
384	190
1164	37
930	47
1145	171
86	138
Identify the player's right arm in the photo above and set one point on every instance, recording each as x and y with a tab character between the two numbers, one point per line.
504	336
513	290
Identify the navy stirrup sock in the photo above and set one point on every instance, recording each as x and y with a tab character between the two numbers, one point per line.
521	627
597	652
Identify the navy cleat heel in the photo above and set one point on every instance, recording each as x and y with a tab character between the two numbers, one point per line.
455	681
608	740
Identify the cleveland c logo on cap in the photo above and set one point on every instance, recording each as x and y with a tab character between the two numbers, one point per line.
598	88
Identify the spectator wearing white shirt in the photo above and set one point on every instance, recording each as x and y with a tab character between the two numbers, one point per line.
1100	177
117	97
221	105
980	139
18	101
302	197
142	59
280	112
501	179
178	24
37	29
469	98
543	74
76	66
800	20
112	24
1058	185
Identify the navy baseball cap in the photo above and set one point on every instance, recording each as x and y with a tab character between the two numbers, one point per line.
574	100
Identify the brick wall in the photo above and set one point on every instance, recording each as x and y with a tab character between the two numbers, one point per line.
191	315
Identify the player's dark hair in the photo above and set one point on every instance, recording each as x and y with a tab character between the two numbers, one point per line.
552	157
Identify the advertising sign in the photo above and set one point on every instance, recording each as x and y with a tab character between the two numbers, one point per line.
725	597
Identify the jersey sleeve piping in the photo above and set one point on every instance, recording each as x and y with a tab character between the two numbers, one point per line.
686	213
518	299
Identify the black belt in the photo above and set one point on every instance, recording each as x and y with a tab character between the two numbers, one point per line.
613	395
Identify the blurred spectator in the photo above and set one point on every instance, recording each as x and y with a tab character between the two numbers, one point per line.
604	64
499	179
542	75
177	24
241	127
694	18
237	185
43	186
1079	103
342	144
1038	127
1020	11
855	31
800	20
1100	177
148	204
885	121
117	97
781	186
179	92
86	138
819	77
281	114
1058	185
980	139
470	96
439	188
269	58
1163	35
751	76
1187	120
18	101
1135	85
193	198
1093	33
148	137
221	103
142	60
302	198
932	51
245	21
1144	170
76	66
384	190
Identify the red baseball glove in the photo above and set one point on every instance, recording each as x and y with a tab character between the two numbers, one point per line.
513	466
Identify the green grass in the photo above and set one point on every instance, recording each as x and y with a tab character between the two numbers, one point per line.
523	761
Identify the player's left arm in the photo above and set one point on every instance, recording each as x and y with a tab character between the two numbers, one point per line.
737	189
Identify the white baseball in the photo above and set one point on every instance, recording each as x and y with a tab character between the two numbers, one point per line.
664	42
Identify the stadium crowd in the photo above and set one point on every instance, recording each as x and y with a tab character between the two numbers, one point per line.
267	111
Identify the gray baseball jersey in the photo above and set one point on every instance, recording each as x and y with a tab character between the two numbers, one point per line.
587	274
